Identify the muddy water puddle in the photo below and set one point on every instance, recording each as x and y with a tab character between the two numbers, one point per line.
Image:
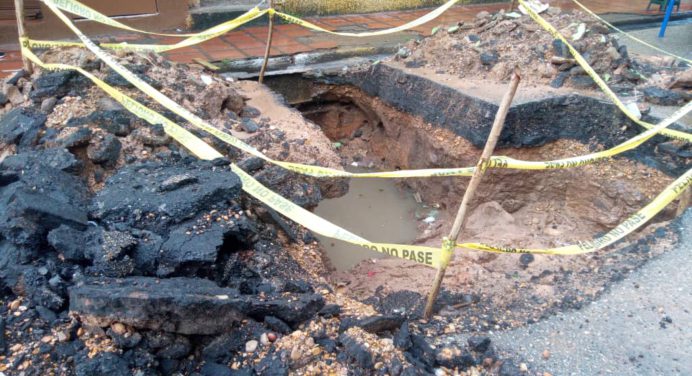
376	209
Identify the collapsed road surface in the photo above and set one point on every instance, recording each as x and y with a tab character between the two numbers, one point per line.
121	254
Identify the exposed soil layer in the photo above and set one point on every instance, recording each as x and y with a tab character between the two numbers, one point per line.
534	209
490	46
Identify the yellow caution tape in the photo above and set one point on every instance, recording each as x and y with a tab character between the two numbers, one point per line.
625	228
599	81
198	147
82	10
428	256
317	171
587	10
433	257
409	25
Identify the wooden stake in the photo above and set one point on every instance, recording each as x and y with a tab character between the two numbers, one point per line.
473	185
685	199
21	31
267	51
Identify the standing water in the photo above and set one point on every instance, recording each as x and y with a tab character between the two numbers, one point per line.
375	209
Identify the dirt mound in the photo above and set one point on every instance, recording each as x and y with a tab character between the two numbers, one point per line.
493	44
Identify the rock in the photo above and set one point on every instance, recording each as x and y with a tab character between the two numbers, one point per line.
577	71
558	81
489	58
403	53
222	347
251	346
599	28
185	249
56	158
355	348
135	189
582	82
251	164
234	102
104	363
402	338
508	368
330	310
250	112
3	99
104	149
292	309
472	38
249	125
663	97
560	49
479	344
21	126
180	304
453	357
264	339
623	52
74	137
124	340
69	242
422	350
375	324
38	199
178	348
277	325
46	314
15	96
214	369
613	53
48	104
152	136
52	84
525	259
117	122
175	305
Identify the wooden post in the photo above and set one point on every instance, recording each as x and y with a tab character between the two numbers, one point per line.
21	31
473	185
514	3
685	199
267	51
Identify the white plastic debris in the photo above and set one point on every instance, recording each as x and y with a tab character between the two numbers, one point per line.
581	29
535	5
429	219
354	164
634	109
206	79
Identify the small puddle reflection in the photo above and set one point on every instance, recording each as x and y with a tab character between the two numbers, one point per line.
375	209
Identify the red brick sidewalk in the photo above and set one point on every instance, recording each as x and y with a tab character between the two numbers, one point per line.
291	39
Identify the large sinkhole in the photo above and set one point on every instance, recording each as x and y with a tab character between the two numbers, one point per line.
531	209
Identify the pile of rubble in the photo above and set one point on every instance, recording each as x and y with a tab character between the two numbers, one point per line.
121	254
490	46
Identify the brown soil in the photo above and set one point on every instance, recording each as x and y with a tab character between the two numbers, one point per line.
513	208
490	46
